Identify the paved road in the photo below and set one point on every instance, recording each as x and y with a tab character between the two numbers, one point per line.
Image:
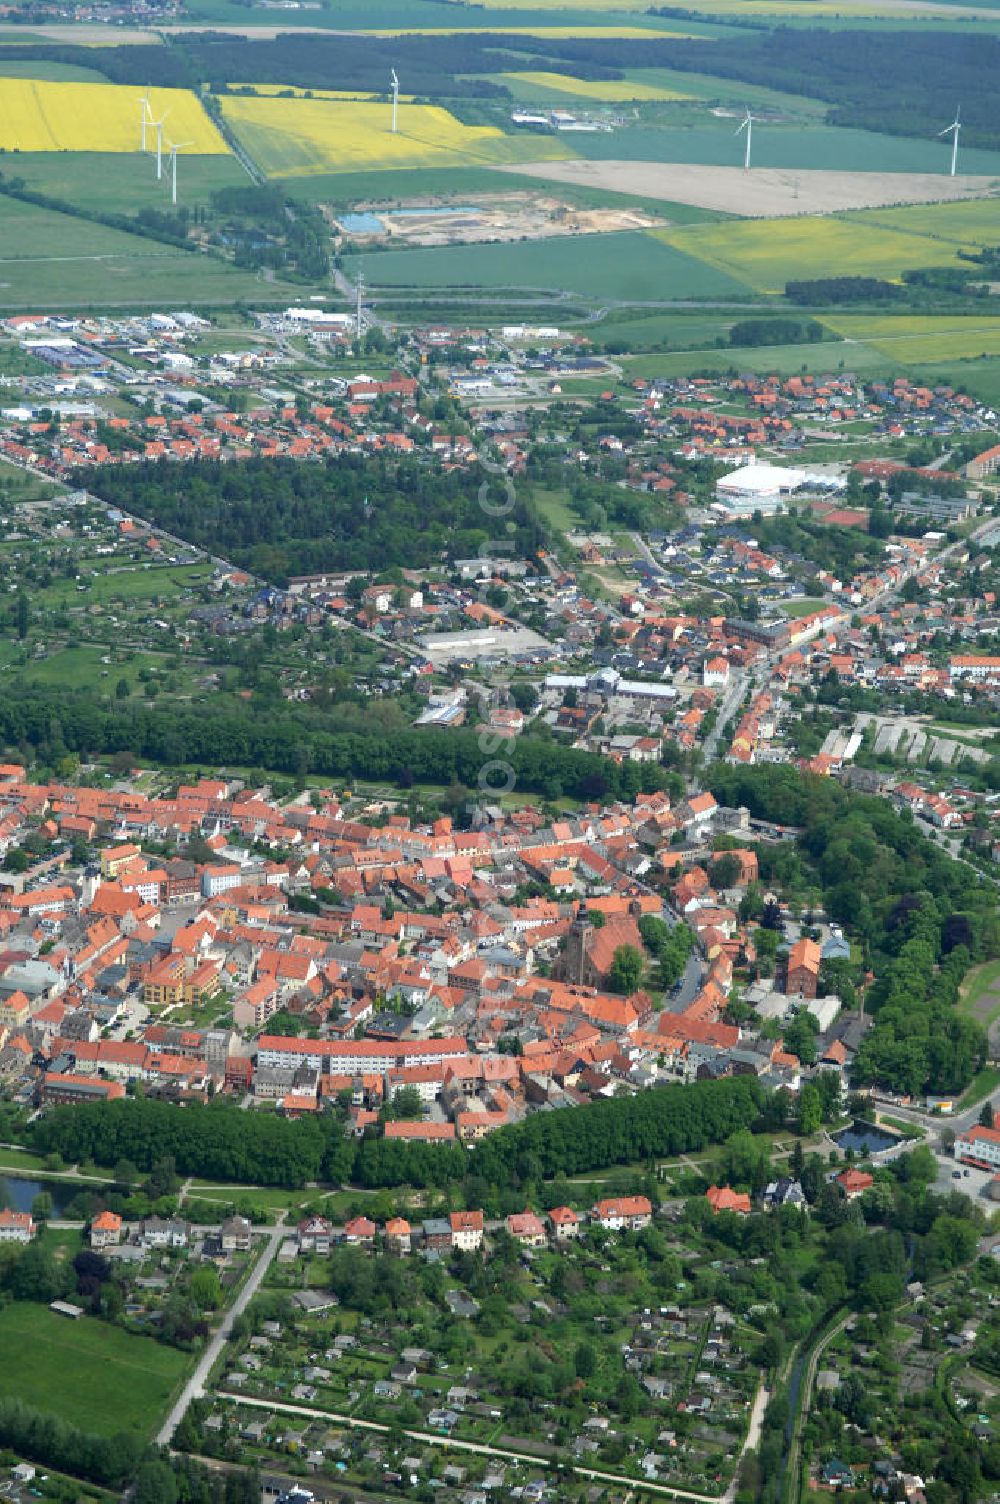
195	1385
728	706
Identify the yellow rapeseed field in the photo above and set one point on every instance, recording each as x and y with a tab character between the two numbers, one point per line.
297	92
625	32
292	137
767	253
37	115
590	88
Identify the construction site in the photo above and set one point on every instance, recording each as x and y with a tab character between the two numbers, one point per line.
497	218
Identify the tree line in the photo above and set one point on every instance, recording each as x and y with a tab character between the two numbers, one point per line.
300	739
218	1142
774	331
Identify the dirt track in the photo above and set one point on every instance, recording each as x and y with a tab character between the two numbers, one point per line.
764	192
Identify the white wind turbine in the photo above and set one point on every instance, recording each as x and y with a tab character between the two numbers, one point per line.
147	117
746	124
395	99
175	147
952	130
158	127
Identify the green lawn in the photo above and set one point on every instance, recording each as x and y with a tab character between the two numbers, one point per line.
983	1084
981	980
800	608
87	1372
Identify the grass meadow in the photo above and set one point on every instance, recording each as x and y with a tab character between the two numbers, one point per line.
88	1372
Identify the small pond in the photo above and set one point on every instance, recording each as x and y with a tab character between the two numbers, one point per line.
865	1138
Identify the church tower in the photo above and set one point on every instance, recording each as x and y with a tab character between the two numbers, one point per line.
574	968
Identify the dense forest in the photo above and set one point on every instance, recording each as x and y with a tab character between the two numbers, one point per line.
919	918
430	66
279	518
222	1143
930	73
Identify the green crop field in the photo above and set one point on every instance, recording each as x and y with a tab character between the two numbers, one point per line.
59	261
784	360
769	252
11	66
116	183
678	330
688	134
630	266
88	1372
968	221
911	338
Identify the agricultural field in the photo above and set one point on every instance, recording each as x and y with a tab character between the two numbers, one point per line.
684	134
294	137
764	193
12	66
563	85
90	1373
38	115
767	253
763	360
974	221
624	31
118	183
294	91
909	339
636	266
62	262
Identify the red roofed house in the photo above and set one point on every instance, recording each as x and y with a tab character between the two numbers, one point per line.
802	969
527	1229
105	1230
565	1223
360	1230
466	1231
397	1235
854	1182
623	1211
979	1145
721	1199
16	1227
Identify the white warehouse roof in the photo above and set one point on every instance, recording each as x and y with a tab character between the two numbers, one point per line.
761	480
